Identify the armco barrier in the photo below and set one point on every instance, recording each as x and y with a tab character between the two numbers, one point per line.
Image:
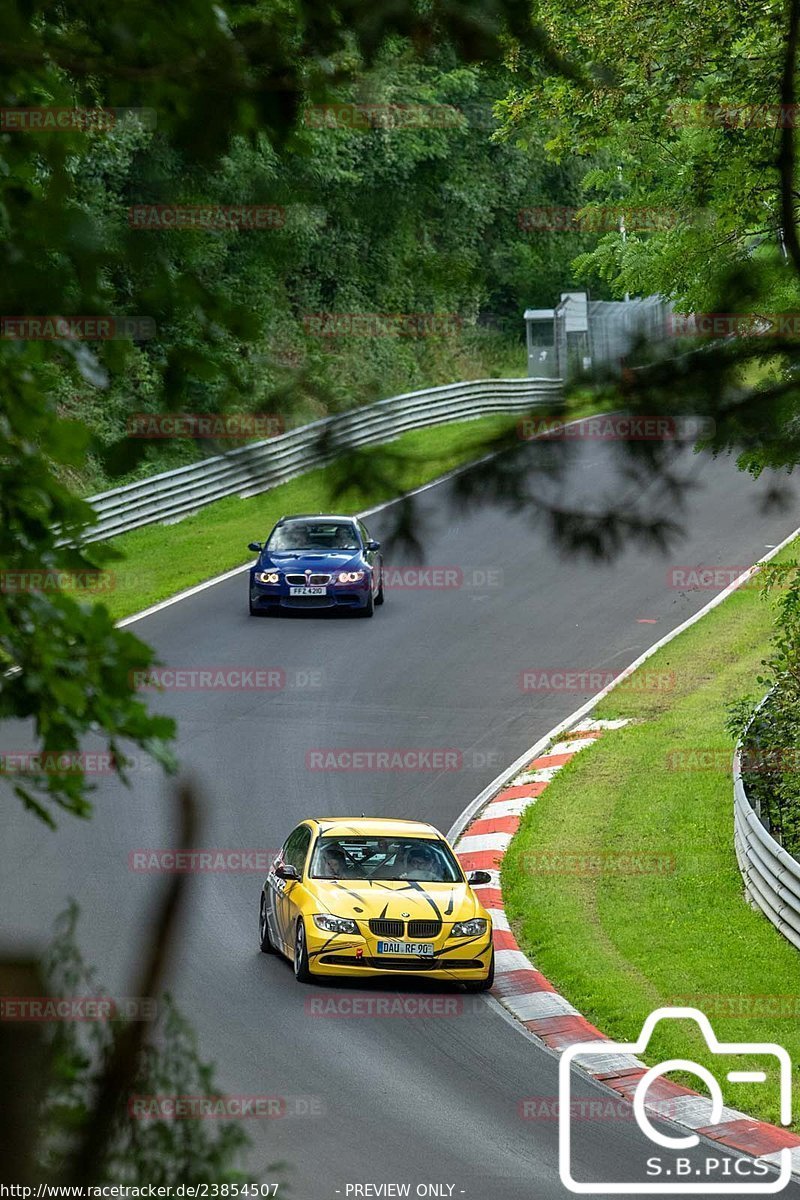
262	465
771	875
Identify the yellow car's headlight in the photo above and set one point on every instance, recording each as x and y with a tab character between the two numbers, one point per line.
268	576
473	928
330	924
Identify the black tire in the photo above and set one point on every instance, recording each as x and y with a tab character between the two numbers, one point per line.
369	608
302	972
263	929
483	985
379	599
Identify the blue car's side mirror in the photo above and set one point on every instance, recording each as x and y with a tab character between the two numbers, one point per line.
256	546
373	546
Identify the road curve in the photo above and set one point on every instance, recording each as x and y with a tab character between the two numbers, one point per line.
415	1099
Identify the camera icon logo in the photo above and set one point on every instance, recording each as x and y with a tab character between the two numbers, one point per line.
737	1186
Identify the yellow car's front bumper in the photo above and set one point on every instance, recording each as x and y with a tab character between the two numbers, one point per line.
458	960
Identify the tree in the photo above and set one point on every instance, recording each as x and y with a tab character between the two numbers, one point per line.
225	89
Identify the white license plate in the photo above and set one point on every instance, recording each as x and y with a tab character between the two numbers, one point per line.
307	591
425	949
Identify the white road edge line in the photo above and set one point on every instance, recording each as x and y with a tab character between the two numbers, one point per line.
483	800
464	818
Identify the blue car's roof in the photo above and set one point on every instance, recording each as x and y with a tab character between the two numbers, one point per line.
316	517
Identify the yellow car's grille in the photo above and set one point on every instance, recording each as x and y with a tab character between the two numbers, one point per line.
424	929
383	928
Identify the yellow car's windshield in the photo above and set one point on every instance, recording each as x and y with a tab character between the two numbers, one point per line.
396	858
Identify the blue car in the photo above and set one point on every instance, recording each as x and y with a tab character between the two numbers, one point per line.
312	561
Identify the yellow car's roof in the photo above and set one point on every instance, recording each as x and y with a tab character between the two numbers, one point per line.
373	827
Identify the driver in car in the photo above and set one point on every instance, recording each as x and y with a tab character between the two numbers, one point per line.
333	863
343	538
420	864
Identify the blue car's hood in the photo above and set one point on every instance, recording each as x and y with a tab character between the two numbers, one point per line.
311	560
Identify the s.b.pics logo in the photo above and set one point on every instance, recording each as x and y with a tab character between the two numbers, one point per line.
671	1171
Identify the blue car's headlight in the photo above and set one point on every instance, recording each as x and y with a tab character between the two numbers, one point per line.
350	576
268	576
473	928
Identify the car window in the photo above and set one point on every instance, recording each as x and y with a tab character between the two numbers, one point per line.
422	859
314	535
296	848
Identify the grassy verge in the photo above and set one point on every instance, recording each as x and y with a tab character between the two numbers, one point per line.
160	560
617	944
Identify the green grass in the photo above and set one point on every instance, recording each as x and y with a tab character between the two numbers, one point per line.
160	560
620	945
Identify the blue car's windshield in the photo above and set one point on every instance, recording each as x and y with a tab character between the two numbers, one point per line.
314	535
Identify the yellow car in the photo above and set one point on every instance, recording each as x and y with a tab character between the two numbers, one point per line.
363	897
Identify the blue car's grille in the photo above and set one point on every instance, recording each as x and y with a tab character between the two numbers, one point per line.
312	580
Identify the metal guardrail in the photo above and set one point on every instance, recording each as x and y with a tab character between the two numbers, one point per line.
262	465
771	875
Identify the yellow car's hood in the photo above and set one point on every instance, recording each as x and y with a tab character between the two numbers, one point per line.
396	899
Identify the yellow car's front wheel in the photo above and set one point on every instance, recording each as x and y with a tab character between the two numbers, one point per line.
302	971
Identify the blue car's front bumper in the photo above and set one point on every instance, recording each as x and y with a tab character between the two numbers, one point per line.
273	596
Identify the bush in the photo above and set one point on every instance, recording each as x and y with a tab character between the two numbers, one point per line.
770	729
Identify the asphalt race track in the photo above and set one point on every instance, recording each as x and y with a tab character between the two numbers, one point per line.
414	1099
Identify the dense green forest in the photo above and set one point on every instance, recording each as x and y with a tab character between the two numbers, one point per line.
397	196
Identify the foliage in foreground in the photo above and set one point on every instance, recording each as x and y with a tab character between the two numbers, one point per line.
152	1150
